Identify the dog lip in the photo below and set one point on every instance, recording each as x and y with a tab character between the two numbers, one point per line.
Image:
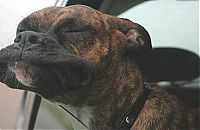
58	57
51	58
40	57
10	54
21	72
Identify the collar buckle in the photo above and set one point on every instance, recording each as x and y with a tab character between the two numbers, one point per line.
135	110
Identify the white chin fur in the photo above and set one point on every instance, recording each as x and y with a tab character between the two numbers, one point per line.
21	75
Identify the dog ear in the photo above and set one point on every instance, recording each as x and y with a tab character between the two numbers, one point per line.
137	38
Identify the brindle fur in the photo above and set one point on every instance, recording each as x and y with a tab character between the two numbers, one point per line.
114	82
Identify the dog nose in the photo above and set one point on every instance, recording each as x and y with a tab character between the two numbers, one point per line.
28	38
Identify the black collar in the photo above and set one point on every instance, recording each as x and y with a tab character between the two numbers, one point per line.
136	108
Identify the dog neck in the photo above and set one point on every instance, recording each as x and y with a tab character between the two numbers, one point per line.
116	96
114	91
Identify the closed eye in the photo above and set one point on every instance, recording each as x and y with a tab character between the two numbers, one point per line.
84	28
71	30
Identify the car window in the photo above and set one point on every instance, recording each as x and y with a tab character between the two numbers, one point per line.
52	116
171	23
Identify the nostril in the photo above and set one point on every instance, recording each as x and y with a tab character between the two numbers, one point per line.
33	39
18	39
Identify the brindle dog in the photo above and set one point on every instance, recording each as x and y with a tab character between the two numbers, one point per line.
83	58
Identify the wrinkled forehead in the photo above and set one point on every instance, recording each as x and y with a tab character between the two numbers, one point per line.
53	16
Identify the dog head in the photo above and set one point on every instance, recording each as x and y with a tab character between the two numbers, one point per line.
60	51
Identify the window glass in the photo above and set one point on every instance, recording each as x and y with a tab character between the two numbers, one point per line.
52	116
171	23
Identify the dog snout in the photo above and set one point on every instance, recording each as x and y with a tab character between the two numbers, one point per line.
28	38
